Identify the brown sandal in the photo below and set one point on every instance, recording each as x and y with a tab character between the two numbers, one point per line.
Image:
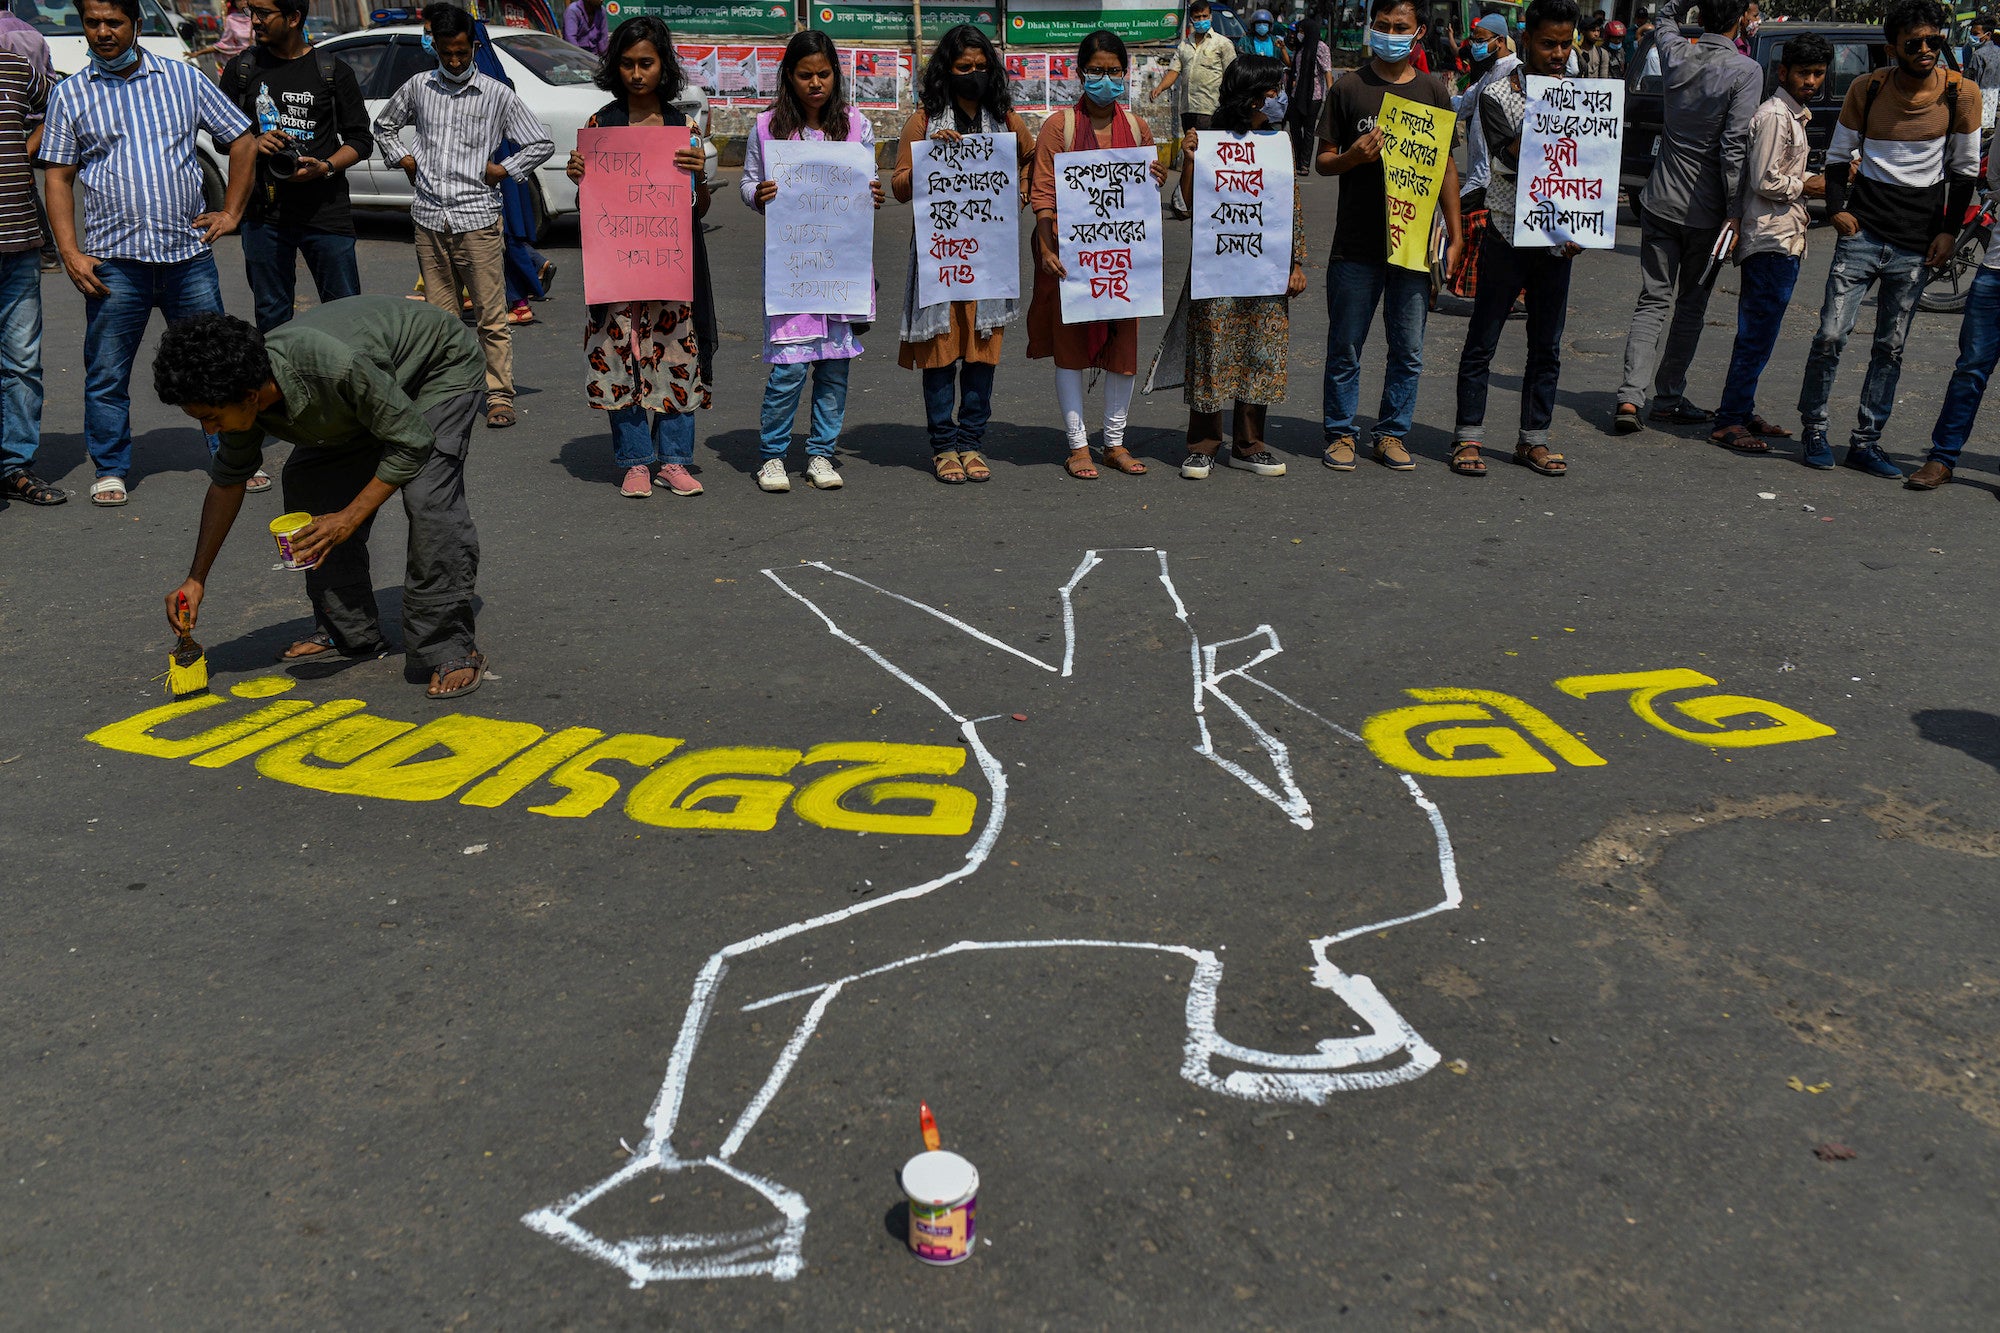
1465	460
1080	466
1539	458
1740	439
975	466
949	470
1121	458
499	417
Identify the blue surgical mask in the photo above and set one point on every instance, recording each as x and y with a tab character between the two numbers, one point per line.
1275	106
118	64
1103	89
1391	46
1481	49
1261	29
1200	27
429	50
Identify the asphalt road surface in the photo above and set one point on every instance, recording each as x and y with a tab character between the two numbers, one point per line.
1241	1025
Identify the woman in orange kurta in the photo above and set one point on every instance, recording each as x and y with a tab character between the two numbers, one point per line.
1112	346
956	344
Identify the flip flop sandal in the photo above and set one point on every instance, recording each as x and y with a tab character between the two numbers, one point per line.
31	489
1526	458
104	489
1681	414
258	484
323	645
475	662
949	470
1767	429
1078	465
975	466
1121	459
1738	439
1627	423
1466	462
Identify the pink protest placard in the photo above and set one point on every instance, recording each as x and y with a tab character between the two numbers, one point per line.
637	212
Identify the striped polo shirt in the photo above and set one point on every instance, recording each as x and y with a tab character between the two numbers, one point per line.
132	142
23	90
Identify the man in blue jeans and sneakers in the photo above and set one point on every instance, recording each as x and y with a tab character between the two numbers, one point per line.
1772	238
125	127
1359	273
1916	128
1978	353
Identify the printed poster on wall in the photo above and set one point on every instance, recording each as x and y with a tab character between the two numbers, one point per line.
1416	145
1242	215
1567	187
715	18
966	199
1108	234
1067	22
892	20
819	231
874	77
636	214
1028	81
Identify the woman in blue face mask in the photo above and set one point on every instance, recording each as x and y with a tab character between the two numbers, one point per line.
1098	120
1235	345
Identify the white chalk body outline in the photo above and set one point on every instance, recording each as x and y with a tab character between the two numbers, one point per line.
1345	1064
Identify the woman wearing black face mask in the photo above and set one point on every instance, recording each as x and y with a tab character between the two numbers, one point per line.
957	344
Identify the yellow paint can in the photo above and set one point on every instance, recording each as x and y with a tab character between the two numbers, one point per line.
283	528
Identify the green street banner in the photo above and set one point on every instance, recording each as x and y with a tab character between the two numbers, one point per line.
1066	22
725	18
891	20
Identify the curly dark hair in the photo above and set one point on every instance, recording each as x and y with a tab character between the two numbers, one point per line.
1246	79
935	94
1806	50
210	359
788	114
1907	14
645	28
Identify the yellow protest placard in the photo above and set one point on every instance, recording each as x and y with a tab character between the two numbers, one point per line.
1416	145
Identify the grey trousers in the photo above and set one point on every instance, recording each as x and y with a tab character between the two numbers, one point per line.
442	562
1671	261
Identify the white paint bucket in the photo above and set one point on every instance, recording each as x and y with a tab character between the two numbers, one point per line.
943	1189
283	529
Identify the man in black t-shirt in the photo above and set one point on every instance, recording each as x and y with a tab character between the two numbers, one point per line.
1358	273
312	125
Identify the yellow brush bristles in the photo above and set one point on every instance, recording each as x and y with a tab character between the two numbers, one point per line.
187	669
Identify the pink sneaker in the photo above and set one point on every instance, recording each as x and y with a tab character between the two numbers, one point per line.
638	483
678	479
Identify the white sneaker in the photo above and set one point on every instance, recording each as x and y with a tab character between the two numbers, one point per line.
771	476
1195	467
1264	463
820	472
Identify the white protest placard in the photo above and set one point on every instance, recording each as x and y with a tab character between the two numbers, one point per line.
1242	215
1567	186
966	197
819	231
1108	234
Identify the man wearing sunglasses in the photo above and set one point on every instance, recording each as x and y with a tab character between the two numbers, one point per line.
1909	137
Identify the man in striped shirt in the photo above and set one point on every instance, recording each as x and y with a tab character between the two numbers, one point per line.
459	117
23	90
125	128
1915	128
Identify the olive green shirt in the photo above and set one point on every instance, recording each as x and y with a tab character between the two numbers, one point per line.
359	374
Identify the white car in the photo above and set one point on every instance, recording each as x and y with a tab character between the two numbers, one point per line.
160	33
552	77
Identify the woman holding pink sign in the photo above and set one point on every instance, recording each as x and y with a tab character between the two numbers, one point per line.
650	356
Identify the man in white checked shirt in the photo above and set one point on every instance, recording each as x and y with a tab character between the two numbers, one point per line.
125	128
459	117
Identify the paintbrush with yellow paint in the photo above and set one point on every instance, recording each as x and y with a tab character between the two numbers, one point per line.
187	664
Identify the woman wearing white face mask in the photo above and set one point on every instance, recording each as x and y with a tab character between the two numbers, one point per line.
1098	120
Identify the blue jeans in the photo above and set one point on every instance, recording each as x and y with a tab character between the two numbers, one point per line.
671	439
1978	351
114	325
781	404
20	361
1859	260
1767	280
1352	291
967	386
271	263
